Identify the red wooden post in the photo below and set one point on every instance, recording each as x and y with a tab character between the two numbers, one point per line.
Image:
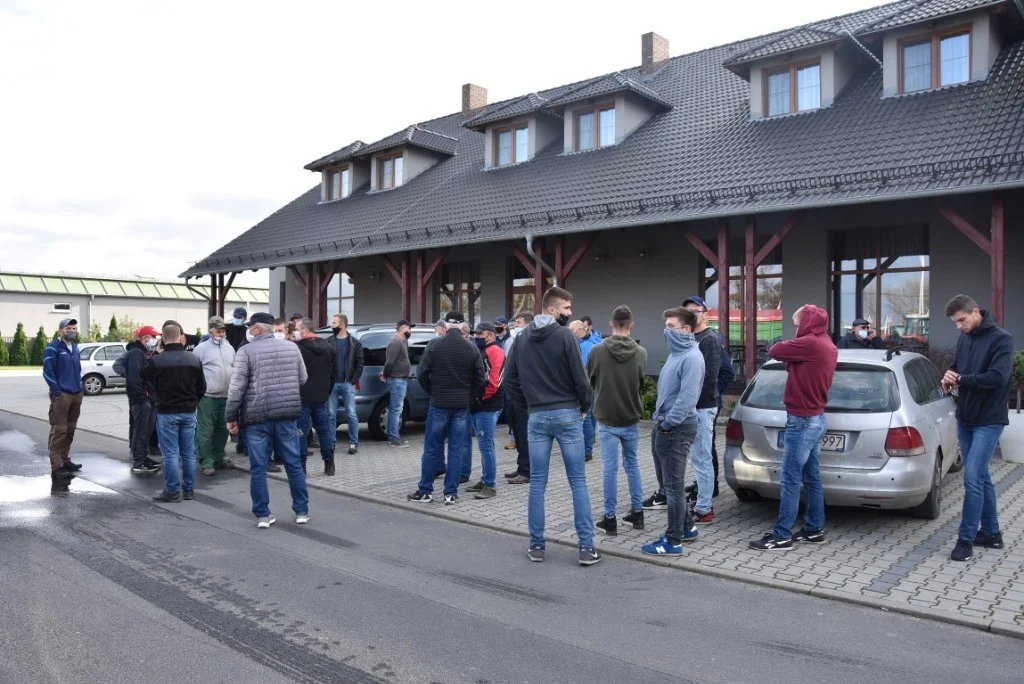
312	285
724	325
998	256
421	291
406	287
750	302
560	274
538	278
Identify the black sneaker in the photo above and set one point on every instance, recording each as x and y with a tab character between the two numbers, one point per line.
398	443
167	497
144	469
770	542
535	554
451	499
72	467
328	467
635	518
989	541
420	497
188	495
655	501
810	536
153	465
589	556
274	468
353	449
608	525
963	551
588	458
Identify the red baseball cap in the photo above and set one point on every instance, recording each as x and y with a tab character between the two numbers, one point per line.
147	330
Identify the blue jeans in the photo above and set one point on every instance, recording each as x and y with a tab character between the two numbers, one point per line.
700	457
343	393
800	463
280	436
977	445
566	426
396	388
317	416
589	429
629	438
442	423
671	449
483	425
177	433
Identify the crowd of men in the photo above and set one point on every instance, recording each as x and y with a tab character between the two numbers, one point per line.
270	383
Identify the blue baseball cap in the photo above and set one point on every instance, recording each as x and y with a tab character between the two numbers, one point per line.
696	299
500	320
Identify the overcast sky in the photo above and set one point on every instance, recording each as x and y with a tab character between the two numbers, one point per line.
138	136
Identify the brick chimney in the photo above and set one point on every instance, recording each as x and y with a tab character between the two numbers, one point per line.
653	52
473	98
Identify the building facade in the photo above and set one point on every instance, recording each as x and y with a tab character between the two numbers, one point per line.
871	164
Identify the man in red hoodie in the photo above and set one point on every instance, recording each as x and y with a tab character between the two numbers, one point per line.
811	362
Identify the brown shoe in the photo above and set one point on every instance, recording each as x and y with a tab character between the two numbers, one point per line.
209	471
486	493
509	476
510	446
519	479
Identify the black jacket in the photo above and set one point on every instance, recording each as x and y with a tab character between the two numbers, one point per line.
451	371
138	390
356	359
321	367
851	341
235	335
178	378
544	371
984	360
710	345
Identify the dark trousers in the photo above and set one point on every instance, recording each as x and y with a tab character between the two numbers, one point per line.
518	418
141	428
64	411
714	447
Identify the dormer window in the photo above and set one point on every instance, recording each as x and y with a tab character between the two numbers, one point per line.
934	61
511	145
791	89
390	171
337	184
595	128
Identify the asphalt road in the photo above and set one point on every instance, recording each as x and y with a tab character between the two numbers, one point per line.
105	585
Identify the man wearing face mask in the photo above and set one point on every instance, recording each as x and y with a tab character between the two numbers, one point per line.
861	337
484	414
62	371
396	374
141	398
545	375
235	332
217	357
349	357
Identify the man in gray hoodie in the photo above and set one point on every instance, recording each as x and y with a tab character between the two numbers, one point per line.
217	356
675	418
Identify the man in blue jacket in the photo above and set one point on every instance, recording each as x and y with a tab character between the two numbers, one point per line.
587	342
980	375
62	370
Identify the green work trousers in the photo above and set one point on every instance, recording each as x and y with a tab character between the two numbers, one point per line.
211	432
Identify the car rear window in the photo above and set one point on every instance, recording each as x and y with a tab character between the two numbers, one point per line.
375	346
855	389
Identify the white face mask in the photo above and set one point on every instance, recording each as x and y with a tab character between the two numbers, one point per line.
862	334
280	335
151	345
249	336
217	339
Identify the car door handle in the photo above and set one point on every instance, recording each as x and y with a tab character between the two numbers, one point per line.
99	364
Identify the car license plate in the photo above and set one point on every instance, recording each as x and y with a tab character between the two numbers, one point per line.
830	442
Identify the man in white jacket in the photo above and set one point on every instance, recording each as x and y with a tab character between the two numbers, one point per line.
217	357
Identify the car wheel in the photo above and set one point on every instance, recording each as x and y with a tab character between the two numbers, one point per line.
929	508
378	422
747	495
958	464
92	384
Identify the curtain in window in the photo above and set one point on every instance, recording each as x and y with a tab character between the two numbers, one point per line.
607	127
385	180
504	148
522	144
954	59
586	132
399	164
917	67
778	94
808	88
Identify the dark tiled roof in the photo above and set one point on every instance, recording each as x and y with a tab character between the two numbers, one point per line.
510	109
608	85
924	10
702	158
346	152
417	136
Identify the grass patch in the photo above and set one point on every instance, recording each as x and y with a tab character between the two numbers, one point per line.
15	368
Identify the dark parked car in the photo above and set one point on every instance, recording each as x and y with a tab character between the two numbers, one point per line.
371	394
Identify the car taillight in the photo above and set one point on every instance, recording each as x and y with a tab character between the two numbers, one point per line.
356	385
904	441
734	433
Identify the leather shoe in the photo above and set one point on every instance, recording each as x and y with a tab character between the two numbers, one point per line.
519	479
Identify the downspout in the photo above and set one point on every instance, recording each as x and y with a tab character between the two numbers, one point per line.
539	260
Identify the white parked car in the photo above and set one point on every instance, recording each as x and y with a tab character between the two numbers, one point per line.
98	366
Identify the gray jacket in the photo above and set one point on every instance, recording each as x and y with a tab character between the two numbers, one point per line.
266	381
217	360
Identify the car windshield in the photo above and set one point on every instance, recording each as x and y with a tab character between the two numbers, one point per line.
855	389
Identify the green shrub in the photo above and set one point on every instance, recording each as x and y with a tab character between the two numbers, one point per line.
1018	376
19	347
113	334
35	356
5	352
95	332
650	396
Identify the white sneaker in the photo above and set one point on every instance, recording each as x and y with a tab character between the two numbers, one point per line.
266	522
302	519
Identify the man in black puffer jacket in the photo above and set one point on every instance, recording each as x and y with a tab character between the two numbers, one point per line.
452	373
321	361
141	395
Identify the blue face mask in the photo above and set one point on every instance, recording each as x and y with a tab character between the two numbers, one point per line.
237	321
862	334
481	342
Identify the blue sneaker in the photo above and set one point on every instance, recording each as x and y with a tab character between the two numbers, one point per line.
691	534
662	547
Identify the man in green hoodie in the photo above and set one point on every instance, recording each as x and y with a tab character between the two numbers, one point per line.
617	368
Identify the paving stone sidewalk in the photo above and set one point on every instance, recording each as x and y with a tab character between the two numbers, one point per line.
886	559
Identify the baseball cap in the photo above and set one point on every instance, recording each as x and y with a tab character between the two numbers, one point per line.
262	317
861	321
402	322
67	321
484	326
500	320
696	299
216	323
146	330
295	316
454	318
240	312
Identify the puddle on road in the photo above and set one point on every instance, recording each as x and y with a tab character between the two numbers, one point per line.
18	489
17	442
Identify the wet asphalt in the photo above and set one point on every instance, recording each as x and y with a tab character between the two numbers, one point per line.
104	585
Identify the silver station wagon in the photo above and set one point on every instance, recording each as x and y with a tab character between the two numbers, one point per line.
891	434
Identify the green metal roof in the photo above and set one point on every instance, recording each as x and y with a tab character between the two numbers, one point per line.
114	287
